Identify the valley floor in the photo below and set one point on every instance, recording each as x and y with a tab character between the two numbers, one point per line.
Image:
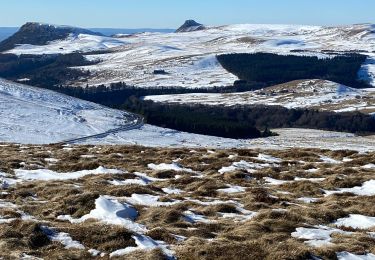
133	202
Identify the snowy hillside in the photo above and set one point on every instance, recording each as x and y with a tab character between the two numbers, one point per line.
184	55
41	34
189	58
317	94
73	43
32	115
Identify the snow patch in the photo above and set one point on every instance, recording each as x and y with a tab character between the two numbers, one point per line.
268	158
369	166
350	256
308	200
148	200
272	181
367	189
61	237
309	179
318	236
232	189
169	167
144	243
193	217
356	221
172	190
51	160
48	175
246	166
110	211
326	159
128	182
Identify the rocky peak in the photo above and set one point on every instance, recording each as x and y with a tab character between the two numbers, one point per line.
40	34
190	26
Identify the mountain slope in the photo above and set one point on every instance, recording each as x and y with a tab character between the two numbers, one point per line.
41	34
33	115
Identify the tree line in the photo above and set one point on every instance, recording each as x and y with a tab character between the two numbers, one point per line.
266	69
246	120
46	71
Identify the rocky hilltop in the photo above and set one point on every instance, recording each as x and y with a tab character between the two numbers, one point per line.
190	26
40	34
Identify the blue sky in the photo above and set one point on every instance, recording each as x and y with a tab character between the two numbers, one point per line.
172	13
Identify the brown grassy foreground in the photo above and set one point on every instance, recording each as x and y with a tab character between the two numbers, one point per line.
266	235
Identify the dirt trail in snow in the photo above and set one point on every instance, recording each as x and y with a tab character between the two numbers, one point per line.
135	122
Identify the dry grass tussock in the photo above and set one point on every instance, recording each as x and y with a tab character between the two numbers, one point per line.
243	212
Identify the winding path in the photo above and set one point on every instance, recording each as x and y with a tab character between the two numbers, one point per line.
135	122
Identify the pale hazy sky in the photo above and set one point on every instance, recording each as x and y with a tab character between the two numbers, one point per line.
172	13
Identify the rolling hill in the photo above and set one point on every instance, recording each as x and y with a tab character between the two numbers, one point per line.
313	94
41	34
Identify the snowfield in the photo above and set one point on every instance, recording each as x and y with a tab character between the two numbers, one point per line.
356	221
47	175
33	115
189	58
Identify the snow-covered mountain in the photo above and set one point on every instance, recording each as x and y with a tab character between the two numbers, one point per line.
38	38
190	58
41	34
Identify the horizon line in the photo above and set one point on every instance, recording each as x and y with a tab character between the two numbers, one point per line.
171	28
